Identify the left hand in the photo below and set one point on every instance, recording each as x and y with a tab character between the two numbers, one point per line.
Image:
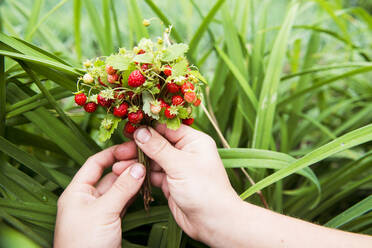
90	209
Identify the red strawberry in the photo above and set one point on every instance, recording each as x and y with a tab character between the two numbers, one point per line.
129	128
188	121
187	86
190	96
112	78
129	94
197	102
119	95
169	113
163	104
168	71
122	110
145	67
103	101
135	117
110	70
159	86
141	51
177	100
80	99
136	79
90	107
173	87
100	81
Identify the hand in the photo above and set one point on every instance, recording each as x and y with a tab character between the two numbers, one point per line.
187	167
89	210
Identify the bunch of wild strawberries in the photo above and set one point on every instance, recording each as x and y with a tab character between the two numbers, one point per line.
153	81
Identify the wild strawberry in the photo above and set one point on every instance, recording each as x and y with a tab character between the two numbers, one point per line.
163	104
100	81
187	86
145	67
90	107
177	100
129	94
135	117
119	95
87	78
159	86
155	107
112	78
103	101
173	87
129	128
197	102
188	121
121	110
136	79
80	99
189	96
168	70
170	112
110	70
141	51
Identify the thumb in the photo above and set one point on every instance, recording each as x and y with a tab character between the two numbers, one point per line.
124	188
157	148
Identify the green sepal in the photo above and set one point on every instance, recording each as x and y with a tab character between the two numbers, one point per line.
105	134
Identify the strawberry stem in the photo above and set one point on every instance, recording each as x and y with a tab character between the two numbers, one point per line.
146	186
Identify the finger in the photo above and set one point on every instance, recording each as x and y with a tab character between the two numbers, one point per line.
126	151
157	178
105	183
157	148
121	166
155	166
124	188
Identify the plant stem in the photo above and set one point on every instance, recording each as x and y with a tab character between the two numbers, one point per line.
146	186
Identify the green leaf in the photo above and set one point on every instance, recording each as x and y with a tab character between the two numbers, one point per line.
174	51
147	99
198	75
147	58
118	62
174	123
179	69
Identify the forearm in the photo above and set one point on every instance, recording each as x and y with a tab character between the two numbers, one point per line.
252	226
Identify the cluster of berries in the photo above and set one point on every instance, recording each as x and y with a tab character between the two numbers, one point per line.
153	81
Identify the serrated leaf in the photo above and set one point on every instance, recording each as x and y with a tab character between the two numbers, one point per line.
174	123
144	58
147	99
182	113
126	74
118	62
105	134
180	68
174	51
199	76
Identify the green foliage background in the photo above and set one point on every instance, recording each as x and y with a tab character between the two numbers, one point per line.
289	99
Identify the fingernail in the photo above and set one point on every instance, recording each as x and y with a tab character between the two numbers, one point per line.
137	171
142	135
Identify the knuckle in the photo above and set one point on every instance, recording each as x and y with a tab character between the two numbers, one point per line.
209	141
159	149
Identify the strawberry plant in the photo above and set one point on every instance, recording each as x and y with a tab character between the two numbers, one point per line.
288	102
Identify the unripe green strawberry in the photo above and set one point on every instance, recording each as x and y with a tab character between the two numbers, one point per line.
87	78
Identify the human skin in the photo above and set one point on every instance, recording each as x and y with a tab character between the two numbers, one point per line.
187	167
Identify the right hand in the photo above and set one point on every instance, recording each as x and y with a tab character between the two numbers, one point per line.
187	167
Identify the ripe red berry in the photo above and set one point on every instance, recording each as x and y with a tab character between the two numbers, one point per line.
163	104
141	51
190	96
129	94
121	110
103	101
168	114
177	100
188	121
112	78
129	128
110	70
80	99
136	79
119	95
197	102
90	107
100	81
168	70
145	67
135	117
187	86
173	87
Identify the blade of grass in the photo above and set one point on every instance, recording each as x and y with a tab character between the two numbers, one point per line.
139	28
107	24
116	23
35	12
77	31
